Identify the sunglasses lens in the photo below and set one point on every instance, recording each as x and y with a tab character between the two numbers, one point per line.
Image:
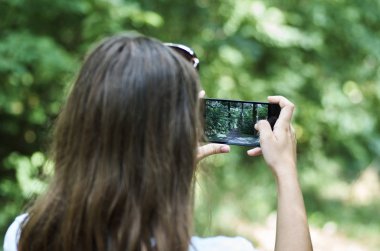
185	52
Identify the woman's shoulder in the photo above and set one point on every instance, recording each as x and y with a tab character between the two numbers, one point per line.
13	233
220	243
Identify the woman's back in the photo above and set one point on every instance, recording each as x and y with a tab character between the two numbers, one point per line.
219	243
124	153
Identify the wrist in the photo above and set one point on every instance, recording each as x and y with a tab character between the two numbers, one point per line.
285	173
288	186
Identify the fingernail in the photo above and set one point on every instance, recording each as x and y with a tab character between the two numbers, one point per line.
202	94
249	152
225	149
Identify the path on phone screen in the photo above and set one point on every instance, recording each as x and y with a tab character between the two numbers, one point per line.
234	136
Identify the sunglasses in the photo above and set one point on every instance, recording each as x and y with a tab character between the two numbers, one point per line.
185	52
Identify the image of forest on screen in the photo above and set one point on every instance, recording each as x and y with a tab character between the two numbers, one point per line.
232	122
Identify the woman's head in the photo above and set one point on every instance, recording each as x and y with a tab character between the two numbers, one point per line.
124	150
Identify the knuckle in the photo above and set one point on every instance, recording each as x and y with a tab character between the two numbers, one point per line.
291	106
215	150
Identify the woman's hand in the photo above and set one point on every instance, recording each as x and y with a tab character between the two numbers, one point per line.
279	150
278	146
211	149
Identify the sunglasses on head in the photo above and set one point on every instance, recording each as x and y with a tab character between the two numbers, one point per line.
185	52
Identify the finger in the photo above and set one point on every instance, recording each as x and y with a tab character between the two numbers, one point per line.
293	131
254	152
287	109
282	101
265	130
201	94
211	149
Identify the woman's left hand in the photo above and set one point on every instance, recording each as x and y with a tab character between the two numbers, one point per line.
211	149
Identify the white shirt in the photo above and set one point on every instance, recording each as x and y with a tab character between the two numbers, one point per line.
218	243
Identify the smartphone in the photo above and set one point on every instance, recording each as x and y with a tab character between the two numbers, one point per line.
232	121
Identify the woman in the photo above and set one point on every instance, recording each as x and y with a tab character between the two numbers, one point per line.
125	153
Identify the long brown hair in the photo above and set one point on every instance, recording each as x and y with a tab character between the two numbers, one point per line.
124	152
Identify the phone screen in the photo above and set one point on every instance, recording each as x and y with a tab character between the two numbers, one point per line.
232	122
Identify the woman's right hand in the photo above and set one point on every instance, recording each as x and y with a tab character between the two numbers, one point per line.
279	150
278	146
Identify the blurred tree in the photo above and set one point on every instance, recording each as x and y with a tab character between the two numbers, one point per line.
323	55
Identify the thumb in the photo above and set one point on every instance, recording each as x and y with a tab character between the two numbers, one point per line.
265	130
210	149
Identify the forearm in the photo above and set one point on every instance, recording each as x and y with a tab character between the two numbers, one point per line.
279	148
292	233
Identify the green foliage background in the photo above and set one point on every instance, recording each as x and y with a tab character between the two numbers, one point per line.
322	55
